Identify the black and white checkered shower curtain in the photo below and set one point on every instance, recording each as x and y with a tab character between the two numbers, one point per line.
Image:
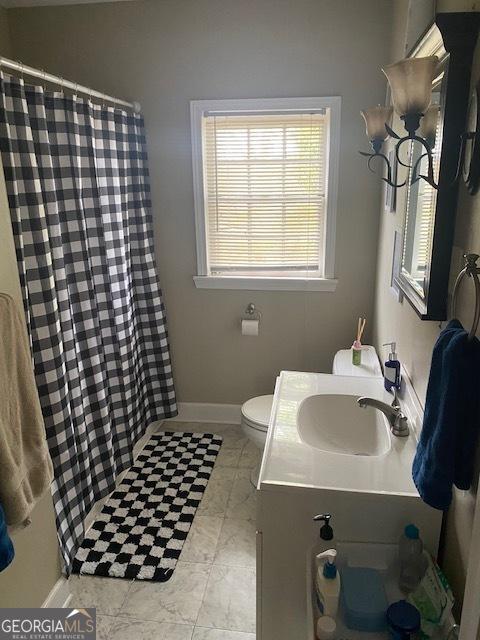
78	189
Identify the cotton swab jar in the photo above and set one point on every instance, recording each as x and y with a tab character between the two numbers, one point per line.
357	353
357	344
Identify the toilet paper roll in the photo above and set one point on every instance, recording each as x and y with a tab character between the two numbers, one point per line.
249	327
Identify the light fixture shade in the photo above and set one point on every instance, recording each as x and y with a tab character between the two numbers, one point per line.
375	120
428	124
411	84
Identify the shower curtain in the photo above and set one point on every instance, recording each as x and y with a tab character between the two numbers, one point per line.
78	188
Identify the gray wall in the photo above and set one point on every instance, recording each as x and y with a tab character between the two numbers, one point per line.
394	321
5	47
36	566
167	53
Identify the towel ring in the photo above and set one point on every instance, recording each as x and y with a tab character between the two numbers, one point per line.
471	270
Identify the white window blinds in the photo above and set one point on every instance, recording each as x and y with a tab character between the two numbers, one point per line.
427	202
265	180
425	211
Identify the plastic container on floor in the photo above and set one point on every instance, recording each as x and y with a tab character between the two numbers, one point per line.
364	601
326	628
413	563
403	621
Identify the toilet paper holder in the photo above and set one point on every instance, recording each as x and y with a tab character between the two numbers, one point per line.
250	321
251	312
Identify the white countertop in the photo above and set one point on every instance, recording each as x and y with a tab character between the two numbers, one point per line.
289	463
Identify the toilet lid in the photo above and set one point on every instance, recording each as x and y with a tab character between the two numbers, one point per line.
257	410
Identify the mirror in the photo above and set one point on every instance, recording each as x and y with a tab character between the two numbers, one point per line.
471	160
429	215
421	199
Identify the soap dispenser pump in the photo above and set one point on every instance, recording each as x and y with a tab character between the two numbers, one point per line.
326	534
392	377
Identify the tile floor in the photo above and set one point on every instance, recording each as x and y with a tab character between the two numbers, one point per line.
211	595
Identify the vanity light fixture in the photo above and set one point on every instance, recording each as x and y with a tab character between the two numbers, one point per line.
410	82
377	119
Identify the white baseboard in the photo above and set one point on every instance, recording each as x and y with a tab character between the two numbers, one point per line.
208	412
59	597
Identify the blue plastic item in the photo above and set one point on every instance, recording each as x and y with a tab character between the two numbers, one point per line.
330	570
363	599
412	532
403	620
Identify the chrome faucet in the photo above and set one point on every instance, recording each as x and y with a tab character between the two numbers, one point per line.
396	419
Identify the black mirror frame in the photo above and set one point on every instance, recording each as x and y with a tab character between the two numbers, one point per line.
459	33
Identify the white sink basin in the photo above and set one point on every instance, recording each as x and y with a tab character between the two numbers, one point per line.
335	423
320	438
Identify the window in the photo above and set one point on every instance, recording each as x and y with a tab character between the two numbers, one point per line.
265	181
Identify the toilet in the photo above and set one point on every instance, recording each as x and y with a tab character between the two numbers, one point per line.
256	411
370	367
255	419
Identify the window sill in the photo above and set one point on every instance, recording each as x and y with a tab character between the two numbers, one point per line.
255	283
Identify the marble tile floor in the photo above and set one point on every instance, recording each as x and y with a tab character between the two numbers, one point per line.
211	595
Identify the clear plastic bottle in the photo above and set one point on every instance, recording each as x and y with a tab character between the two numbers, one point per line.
413	563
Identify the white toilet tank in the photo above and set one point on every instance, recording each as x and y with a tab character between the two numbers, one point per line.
370	367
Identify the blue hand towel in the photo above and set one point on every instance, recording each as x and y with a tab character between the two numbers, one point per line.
445	453
6	546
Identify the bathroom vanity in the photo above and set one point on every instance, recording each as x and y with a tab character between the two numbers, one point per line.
326	454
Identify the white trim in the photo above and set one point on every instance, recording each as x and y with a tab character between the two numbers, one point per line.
196	115
333	159
207	412
253	283
59	597
198	108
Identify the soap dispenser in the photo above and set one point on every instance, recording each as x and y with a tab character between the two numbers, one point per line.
325	543
392	377
327	583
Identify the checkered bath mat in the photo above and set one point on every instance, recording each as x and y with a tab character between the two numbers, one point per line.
142	527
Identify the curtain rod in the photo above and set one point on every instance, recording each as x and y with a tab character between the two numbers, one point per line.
65	84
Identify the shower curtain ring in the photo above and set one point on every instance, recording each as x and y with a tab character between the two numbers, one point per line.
44	79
